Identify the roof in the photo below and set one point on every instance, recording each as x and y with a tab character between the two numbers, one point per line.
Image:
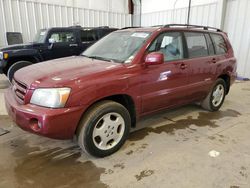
82	28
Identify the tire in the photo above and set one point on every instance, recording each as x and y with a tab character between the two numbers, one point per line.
16	66
104	128
212	104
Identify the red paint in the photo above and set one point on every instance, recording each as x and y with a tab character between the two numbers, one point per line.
152	87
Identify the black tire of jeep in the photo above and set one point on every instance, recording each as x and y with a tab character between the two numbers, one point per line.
16	66
88	123
207	103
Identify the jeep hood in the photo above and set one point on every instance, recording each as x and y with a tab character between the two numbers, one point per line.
19	46
63	72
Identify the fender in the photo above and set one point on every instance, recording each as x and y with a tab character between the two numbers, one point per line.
25	53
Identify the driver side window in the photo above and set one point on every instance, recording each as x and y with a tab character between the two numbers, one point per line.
63	37
170	44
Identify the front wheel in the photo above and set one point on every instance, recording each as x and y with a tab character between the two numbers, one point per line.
15	67
104	128
216	96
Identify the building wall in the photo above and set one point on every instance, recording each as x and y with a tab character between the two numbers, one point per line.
205	14
230	15
237	25
163	5
120	6
29	16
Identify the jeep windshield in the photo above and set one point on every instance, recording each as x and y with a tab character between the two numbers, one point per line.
40	36
118	46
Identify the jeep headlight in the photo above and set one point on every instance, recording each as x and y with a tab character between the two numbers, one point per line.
4	55
50	97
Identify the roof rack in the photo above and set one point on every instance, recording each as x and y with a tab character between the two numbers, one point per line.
192	26
103	27
129	28
79	26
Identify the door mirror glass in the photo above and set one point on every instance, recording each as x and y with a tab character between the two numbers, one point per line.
154	58
52	41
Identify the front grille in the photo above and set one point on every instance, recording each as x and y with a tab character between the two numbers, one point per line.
20	91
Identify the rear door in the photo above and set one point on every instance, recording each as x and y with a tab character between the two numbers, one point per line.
221	53
88	37
201	58
165	85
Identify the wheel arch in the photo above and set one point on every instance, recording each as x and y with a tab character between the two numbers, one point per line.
123	99
13	60
31	59
226	78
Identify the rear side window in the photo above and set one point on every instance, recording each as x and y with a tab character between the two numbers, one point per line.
219	43
105	32
88	35
196	44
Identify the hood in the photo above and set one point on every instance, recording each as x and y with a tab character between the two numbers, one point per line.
62	72
18	46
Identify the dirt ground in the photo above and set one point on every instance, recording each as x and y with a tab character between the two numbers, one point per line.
184	147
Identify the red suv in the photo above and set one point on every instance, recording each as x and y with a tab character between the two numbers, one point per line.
100	95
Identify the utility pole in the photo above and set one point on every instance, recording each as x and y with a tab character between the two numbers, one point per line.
189	9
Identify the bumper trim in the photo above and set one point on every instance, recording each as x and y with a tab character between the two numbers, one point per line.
56	123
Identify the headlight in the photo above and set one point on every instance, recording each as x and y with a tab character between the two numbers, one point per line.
1	55
52	98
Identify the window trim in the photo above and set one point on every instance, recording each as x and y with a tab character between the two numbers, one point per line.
183	45
206	37
202	33
210	34
60	31
95	36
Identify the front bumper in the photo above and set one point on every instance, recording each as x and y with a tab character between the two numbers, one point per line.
2	65
54	123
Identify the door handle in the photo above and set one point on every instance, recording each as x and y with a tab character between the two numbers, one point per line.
214	60
183	66
73	45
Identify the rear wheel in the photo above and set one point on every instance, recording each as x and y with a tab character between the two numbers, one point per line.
16	66
216	96
104	128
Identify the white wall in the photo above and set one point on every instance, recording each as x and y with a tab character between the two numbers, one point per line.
230	15
163	5
237	24
203	12
29	16
200	15
120	6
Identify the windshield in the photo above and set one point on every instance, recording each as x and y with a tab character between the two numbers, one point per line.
118	46
40	36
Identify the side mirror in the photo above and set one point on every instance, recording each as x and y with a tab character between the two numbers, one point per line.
51	42
154	58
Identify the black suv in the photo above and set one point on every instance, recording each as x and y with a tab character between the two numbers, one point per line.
50	44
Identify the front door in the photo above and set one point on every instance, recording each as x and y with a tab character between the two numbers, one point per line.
65	44
165	85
